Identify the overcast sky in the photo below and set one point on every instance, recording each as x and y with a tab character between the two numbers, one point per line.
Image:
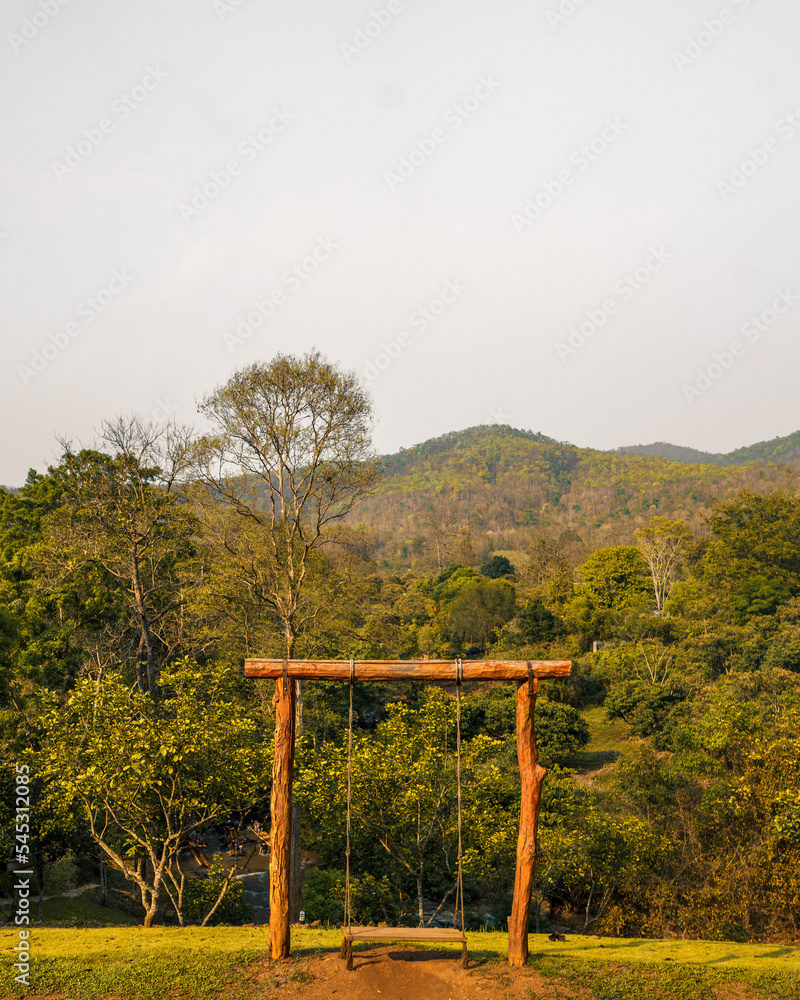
579	218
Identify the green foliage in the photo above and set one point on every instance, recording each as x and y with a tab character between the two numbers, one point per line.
481	608
144	773
404	803
693	710
755	556
202	893
649	710
536	623
497	567
323	895
560	730
615	579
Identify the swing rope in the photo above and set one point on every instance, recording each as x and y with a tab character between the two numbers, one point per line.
347	943
460	882
347	919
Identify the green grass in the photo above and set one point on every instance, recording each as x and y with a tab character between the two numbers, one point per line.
606	741
85	909
131	963
605	735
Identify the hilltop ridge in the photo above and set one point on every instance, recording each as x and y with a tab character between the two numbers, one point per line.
462	495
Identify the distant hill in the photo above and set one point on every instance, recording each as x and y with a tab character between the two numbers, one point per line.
779	450
466	494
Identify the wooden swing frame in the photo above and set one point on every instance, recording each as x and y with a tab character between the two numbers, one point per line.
526	673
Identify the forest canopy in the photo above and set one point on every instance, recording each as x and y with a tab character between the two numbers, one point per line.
138	572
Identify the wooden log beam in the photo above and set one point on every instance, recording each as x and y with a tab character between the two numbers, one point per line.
410	670
531	775
281	807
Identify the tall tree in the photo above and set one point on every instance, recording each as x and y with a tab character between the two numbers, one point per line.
123	522
290	449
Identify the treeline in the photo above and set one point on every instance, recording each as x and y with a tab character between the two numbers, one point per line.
468	494
136	576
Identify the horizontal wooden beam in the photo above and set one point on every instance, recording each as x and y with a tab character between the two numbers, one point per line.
408	670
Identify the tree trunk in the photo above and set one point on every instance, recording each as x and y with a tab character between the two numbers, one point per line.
144	624
419	899
531	776
281	807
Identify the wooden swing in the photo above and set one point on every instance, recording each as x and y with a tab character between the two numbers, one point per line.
428	934
285	673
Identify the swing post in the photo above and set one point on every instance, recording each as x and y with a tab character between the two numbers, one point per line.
525	672
531	777
281	807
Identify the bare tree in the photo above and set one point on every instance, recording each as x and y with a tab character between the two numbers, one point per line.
663	543
289	449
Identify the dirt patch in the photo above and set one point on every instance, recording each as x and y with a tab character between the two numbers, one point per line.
394	972
733	991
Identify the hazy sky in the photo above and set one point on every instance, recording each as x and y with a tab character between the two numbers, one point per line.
576	217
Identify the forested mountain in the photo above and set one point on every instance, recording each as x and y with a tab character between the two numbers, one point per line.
464	495
779	449
135	580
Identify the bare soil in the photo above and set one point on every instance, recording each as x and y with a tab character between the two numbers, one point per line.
396	972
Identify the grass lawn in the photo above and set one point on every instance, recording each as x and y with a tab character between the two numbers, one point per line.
605	735
182	963
606	740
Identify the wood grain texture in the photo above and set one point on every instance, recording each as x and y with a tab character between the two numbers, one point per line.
403	934
411	670
531	776
281	806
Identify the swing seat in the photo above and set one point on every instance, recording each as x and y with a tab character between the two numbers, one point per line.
352	934
404	934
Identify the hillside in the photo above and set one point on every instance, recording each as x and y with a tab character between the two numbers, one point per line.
461	496
779	450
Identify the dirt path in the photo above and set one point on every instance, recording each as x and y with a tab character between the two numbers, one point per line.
394	972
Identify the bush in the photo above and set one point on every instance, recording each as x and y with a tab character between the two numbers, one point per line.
370	898
323	892
200	894
62	875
